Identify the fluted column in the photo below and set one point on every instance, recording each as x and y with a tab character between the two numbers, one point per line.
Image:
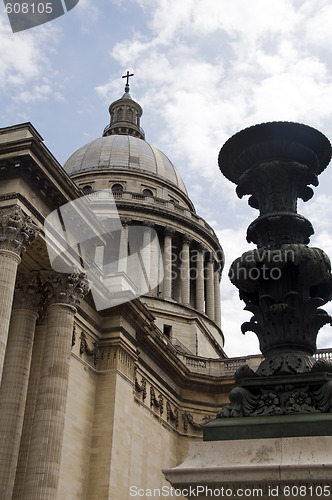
146	252
33	388
210	286
217	304
167	284
200	279
156	269
185	270
123	250
16	232
14	384
42	475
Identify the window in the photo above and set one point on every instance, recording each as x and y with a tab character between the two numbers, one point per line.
130	115
167	331
147	192
117	188
87	189
120	115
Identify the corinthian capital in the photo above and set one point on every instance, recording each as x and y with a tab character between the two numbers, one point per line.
28	292
17	230
67	289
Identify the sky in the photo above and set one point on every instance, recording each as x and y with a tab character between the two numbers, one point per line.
204	69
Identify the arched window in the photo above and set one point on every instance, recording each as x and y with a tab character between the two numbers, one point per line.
117	189
120	115
130	115
87	189
147	192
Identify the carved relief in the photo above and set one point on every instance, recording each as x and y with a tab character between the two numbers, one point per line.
67	289
188	419
157	402
17	230
140	387
28	294
172	415
84	348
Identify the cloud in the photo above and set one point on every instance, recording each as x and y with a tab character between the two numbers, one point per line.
24	60
207	69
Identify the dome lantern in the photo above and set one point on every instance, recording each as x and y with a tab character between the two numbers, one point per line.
125	115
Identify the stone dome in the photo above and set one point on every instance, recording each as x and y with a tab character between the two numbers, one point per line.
123	152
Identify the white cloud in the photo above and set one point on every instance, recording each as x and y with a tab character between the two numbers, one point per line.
24	60
209	69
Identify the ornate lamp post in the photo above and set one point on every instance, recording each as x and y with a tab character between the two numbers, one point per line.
283	282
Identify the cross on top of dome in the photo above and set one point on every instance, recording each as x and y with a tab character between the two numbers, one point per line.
127	83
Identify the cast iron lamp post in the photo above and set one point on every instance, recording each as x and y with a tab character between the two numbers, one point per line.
283	282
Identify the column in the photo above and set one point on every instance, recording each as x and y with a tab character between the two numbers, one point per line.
210	286
146	254
42	475
168	261
123	250
16	232
33	387
185	270
217	302
14	384
156	264
200	279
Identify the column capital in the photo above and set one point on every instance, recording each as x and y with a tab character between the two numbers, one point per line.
28	294
17	230
209	256
169	231
126	221
148	223
67	289
187	239
201	248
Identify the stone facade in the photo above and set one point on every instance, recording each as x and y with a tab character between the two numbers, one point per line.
95	402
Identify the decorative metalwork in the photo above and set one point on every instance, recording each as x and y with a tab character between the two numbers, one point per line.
283	282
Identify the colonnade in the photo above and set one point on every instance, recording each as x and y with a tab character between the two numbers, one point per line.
22	298
191	271
191	274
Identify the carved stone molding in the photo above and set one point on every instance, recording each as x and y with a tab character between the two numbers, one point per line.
28	294
73	339
17	230
84	348
172	415
157	402
188	419
140	387
67	289
117	357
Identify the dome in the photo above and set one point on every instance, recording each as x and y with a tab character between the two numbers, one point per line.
123	152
